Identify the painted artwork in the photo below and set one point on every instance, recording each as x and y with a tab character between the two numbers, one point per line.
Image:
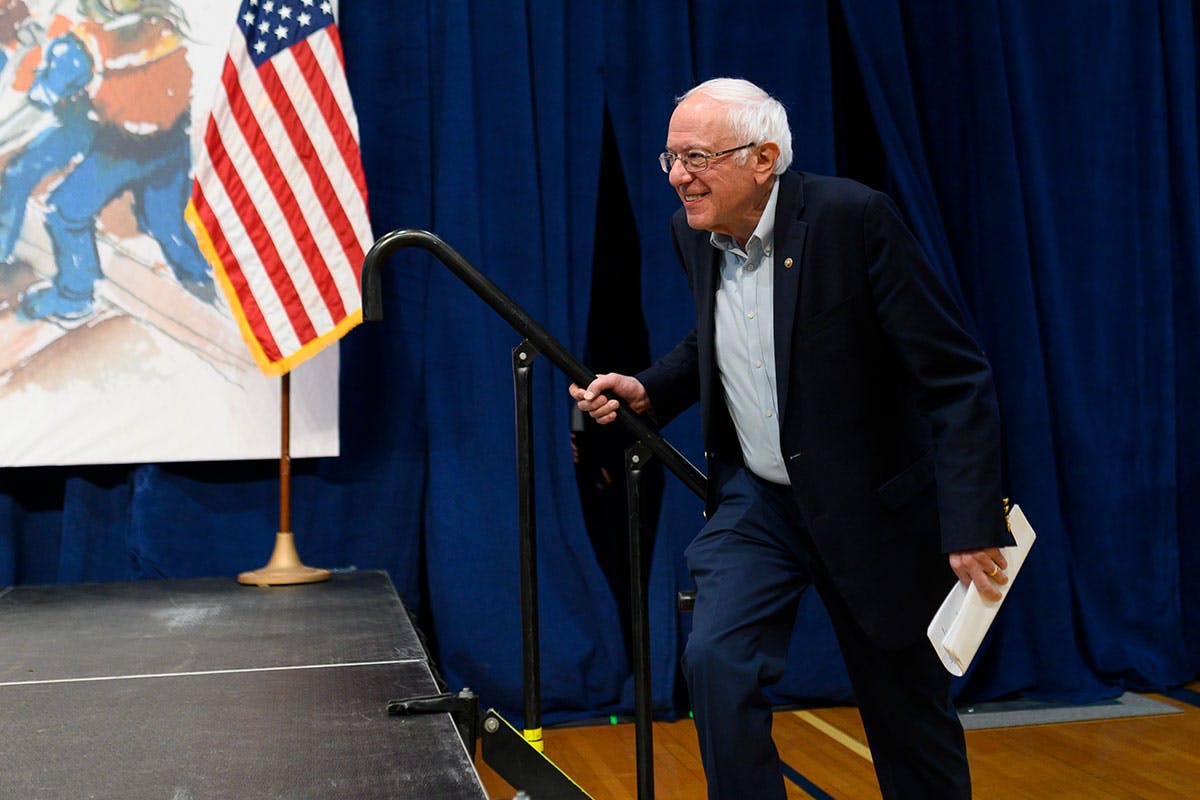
115	343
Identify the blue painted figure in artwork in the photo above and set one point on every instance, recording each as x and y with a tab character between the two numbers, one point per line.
66	137
60	114
131	57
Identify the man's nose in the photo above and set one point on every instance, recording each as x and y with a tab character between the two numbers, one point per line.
679	175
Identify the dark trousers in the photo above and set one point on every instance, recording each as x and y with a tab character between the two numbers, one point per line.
751	563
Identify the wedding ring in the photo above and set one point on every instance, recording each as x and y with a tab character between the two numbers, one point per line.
995	571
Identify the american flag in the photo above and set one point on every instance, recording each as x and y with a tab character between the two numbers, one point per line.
279	202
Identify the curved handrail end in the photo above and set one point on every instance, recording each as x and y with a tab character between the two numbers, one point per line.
372	301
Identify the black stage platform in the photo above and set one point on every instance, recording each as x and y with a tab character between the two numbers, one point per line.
204	689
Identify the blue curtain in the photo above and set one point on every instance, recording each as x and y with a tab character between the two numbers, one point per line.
1048	161
1047	158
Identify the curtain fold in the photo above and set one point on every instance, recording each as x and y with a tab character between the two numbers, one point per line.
1059	189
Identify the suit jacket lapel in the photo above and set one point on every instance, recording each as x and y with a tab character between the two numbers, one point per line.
790	233
701	261
707	277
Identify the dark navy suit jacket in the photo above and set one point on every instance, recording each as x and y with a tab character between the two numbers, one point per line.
888	418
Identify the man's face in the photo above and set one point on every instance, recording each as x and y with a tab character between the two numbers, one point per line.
728	197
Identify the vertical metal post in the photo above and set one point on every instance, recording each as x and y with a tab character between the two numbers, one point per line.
523	356
636	459
285	453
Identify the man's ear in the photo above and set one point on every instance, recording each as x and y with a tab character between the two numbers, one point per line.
763	160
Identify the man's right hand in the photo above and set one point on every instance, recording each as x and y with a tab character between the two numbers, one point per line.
595	399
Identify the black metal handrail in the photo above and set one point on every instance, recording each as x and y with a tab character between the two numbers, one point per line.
649	444
515	316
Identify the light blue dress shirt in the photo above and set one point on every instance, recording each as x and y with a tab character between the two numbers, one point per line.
745	344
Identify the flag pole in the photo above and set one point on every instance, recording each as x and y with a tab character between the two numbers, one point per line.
285	567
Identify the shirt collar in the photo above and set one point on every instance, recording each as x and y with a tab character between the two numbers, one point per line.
764	232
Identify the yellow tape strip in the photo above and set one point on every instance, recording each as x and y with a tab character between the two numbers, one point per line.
849	742
491	712
534	737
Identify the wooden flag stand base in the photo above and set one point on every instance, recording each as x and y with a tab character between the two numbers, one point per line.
285	567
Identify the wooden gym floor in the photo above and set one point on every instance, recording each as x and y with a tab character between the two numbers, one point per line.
825	756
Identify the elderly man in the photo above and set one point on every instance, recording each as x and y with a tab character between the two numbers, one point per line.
852	438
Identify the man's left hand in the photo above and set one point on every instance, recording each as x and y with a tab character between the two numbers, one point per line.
985	568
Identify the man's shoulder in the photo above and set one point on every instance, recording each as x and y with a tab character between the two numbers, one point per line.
832	188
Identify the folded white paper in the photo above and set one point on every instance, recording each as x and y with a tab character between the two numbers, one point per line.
958	627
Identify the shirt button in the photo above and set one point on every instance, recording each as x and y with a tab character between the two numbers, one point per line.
770	413
750	314
758	364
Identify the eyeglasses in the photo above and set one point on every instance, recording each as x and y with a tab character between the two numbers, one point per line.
694	160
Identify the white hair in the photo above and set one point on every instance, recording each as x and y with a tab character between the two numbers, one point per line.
754	116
